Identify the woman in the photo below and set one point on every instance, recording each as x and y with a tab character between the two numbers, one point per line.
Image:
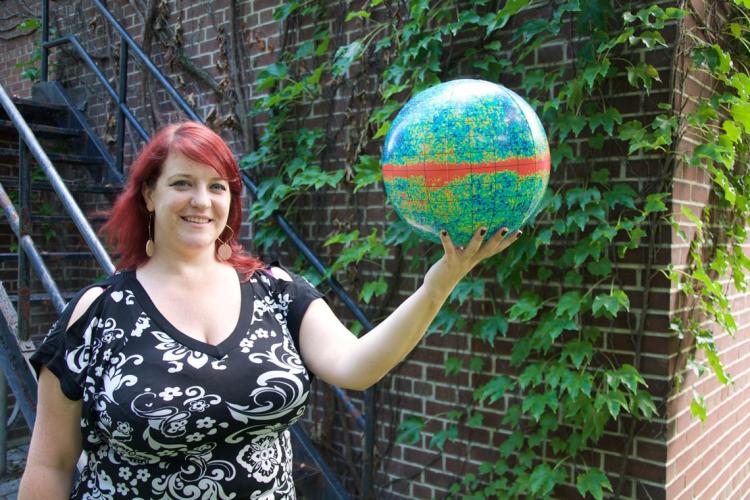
179	375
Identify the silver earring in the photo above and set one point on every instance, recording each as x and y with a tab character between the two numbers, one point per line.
150	241
225	251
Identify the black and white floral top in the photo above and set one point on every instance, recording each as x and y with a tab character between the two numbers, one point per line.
167	416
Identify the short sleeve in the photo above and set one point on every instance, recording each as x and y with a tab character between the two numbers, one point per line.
66	353
300	294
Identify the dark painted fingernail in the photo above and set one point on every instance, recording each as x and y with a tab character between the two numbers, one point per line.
503	231
444	232
483	231
520	233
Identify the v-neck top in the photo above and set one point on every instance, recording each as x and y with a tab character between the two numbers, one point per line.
215	351
165	415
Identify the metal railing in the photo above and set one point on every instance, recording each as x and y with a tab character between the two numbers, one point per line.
124	114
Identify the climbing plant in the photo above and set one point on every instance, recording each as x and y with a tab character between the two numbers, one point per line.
565	277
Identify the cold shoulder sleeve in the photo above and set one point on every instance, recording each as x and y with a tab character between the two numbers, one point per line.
66	351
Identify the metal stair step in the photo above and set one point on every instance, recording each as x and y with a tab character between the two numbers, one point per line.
42	130
56	157
11	184
41	113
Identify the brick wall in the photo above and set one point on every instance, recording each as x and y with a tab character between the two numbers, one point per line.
708	459
668	458
17	47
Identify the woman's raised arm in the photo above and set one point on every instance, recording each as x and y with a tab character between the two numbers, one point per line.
335	355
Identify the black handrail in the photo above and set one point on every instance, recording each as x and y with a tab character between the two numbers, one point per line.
122	107
69	203
16	369
27	245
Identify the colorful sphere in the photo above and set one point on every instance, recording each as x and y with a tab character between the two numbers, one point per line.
462	155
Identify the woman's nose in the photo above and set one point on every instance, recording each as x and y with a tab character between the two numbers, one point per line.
200	198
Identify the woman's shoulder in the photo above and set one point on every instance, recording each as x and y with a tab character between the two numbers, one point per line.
91	294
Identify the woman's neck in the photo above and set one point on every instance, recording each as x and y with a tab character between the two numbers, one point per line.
194	268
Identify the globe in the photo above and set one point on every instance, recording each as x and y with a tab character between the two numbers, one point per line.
462	155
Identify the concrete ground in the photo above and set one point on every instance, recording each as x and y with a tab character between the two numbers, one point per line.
9	482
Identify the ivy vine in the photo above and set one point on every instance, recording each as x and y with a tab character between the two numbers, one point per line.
562	386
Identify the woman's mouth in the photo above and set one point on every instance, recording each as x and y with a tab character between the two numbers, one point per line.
197	220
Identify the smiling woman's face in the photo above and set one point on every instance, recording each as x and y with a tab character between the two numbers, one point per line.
190	202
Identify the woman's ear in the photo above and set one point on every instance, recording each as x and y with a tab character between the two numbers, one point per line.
146	193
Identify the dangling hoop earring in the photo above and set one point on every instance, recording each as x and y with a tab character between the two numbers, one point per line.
225	251
150	241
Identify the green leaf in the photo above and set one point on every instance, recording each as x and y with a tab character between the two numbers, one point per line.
610	304
715	363
578	351
542	480
605	120
620	194
373	288
602	267
367	172
644	403
508	10
488	328
511	444
453	365
616	402
642	75
600	176
285	10
512	416
342	238
626	375
345	56
468	288
593	482
561	152
314	177
446	321
698	407
494	389
741	113
594	71
357	14
655	203
382	130
535	404
476	364
525	308
531	376
410	430
440	438
569	304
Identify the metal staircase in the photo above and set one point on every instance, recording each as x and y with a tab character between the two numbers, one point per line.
51	129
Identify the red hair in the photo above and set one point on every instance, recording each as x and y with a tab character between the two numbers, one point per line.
127	227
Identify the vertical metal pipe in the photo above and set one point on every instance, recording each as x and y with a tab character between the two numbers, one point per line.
122	98
3	425
24	266
45	38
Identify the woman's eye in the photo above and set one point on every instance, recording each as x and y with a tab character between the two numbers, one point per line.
219	187
180	183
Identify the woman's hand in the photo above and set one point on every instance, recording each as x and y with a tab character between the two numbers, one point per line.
457	262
